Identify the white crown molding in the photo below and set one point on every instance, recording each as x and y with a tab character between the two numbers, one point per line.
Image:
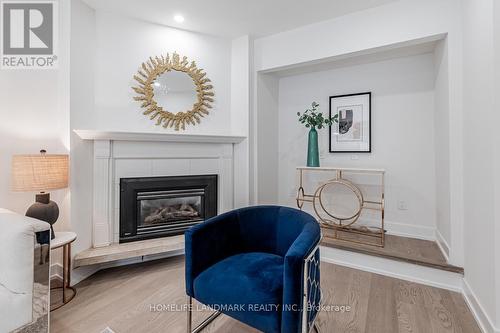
152	136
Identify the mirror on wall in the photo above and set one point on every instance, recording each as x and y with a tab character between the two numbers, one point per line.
175	91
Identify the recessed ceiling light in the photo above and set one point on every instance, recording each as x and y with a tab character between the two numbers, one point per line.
179	18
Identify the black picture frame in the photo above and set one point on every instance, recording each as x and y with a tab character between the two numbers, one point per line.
369	123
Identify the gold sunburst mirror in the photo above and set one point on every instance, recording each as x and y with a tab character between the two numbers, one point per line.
173	92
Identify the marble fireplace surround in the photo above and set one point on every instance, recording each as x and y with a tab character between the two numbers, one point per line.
132	154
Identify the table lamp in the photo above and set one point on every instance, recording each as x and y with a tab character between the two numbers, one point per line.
40	172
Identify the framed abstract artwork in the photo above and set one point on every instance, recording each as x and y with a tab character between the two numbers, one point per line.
352	132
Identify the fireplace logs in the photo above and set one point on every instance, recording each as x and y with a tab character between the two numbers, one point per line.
172	213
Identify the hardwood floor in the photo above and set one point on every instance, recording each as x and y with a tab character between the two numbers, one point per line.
122	299
412	250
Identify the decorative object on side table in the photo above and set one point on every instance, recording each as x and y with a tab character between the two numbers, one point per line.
173	92
352	134
40	173
64	240
313	119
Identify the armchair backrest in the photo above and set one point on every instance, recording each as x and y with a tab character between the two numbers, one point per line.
23	269
271	229
289	233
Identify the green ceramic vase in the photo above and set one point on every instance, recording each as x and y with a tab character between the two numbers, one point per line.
312	149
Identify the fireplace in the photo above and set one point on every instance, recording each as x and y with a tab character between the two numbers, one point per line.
153	207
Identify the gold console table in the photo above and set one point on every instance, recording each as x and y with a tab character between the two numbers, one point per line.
344	227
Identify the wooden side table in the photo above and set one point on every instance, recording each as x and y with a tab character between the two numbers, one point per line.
64	239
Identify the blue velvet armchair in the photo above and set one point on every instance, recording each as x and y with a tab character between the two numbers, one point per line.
259	265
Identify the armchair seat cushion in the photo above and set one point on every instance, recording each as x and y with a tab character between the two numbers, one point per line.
247	287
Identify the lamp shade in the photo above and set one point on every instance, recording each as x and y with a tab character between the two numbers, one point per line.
40	172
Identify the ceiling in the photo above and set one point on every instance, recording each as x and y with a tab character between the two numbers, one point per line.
233	18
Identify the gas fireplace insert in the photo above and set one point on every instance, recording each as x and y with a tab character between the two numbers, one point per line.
153	207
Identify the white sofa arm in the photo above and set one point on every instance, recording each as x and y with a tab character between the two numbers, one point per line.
24	273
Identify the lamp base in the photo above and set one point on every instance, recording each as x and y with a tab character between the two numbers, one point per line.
44	209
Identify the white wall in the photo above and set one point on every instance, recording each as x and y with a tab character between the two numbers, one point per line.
442	145
496	71
34	115
480	171
267	139
402	133
241	64
123	44
395	22
83	36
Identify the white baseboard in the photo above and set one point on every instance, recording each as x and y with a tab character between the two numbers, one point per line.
443	245
482	318
56	271
77	274
410	230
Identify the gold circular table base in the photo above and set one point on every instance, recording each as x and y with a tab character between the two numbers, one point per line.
336	220
300	197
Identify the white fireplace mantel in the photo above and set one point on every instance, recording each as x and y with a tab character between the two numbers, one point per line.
154	137
119	155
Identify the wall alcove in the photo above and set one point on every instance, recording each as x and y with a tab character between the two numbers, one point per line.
410	129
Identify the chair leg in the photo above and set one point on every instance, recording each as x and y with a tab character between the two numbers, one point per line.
189	313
